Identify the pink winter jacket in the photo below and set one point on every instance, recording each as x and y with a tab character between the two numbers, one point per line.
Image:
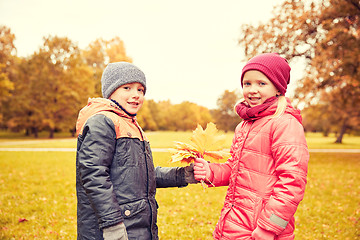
266	175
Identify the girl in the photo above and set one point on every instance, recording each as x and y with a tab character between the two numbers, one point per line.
267	170
115	176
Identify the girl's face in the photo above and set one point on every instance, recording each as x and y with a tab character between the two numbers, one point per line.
130	96
257	88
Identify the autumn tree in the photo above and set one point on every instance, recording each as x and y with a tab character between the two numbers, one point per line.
175	117
187	115
7	58
22	116
146	117
52	85
225	117
326	36
316	119
162	115
155	116
101	52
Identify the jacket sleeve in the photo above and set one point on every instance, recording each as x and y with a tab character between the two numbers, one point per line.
221	173
291	158
95	156
170	177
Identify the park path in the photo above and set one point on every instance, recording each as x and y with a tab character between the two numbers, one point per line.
51	149
46	149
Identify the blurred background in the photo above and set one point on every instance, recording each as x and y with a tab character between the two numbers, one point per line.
192	52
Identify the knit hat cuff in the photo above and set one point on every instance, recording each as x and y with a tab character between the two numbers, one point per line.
115	85
118	74
266	71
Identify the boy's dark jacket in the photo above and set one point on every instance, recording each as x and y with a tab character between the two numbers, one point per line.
115	177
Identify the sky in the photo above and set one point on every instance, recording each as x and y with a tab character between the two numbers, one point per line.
187	49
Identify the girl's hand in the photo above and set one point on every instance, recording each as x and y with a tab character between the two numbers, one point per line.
202	170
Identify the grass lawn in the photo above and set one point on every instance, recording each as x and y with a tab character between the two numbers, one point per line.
38	201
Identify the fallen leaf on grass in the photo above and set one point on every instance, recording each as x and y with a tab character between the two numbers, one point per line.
22	220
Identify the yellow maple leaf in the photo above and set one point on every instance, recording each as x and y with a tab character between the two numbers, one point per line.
207	140
183	156
206	144
216	155
186	146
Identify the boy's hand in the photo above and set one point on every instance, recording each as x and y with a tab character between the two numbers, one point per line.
116	232
189	174
202	170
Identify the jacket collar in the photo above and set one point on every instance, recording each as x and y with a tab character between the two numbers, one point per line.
96	105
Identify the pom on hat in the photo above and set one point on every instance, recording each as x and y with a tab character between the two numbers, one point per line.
120	73
273	66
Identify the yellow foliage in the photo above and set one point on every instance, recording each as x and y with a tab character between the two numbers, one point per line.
205	144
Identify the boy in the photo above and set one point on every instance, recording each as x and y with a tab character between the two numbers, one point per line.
115	176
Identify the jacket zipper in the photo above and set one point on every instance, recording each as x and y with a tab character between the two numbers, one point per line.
147	189
234	184
242	147
145	147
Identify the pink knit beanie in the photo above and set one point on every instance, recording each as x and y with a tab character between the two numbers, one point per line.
274	67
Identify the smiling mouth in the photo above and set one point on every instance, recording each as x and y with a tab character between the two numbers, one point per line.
133	103
254	98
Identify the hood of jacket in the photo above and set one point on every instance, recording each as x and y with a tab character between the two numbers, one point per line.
291	110
94	106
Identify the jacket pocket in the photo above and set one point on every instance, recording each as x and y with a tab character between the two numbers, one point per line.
136	214
129	210
259	206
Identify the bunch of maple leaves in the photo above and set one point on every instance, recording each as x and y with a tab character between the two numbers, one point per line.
206	144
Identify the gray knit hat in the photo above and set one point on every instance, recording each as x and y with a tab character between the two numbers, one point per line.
120	73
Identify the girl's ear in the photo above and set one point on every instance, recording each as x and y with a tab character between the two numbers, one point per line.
278	93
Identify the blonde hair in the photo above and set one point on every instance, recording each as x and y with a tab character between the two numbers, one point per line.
282	103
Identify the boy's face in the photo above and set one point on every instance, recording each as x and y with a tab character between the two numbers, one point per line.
257	88
130	96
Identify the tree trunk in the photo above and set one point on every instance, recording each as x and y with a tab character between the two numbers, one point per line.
51	134
326	132
73	131
35	131
342	132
